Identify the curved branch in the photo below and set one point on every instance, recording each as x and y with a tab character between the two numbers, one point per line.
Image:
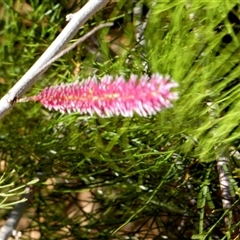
30	77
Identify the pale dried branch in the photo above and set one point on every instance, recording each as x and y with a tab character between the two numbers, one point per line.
27	81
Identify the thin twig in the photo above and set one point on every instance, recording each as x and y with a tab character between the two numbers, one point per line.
68	49
27	81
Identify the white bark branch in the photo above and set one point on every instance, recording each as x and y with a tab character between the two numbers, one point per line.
15	216
30	77
223	165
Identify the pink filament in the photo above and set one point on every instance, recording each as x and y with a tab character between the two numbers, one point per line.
110	96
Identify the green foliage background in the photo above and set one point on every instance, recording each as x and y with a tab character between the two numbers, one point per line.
148	177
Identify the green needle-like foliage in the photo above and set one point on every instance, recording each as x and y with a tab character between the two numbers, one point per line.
126	178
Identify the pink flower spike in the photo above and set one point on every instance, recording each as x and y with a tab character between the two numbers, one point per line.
111	96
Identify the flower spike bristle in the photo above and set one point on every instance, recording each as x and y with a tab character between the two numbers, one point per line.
111	96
